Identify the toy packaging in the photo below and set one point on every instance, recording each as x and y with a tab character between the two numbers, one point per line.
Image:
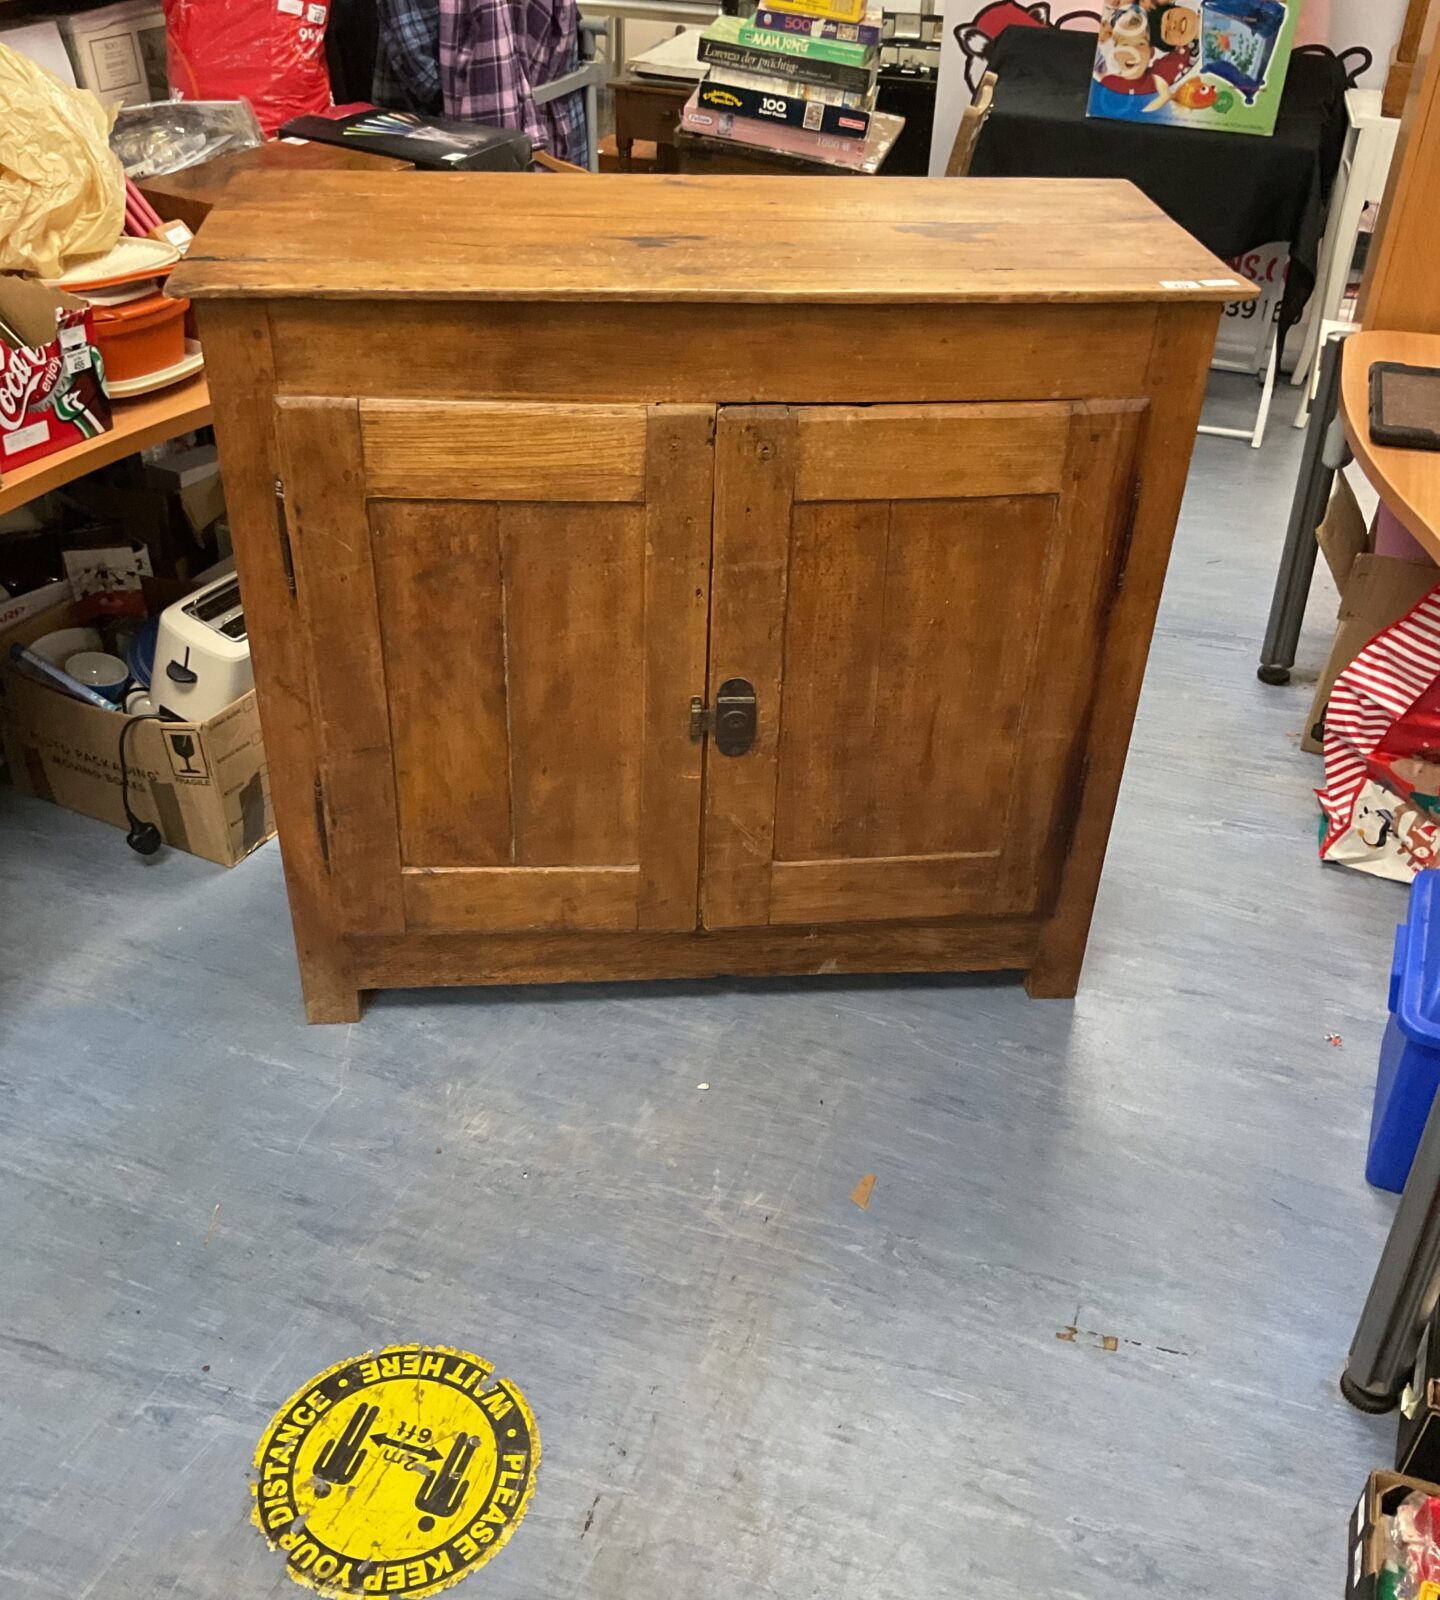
1194	63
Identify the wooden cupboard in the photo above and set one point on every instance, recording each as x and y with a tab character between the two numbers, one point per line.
630	597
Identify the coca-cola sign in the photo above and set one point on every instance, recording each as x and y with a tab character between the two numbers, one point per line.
51	395
27	381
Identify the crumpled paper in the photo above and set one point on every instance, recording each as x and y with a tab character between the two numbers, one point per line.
62	191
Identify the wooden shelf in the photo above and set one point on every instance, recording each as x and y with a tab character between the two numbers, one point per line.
151	419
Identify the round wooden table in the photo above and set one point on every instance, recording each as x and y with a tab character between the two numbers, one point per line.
1408	481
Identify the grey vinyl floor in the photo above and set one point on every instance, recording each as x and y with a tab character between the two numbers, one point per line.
745	1384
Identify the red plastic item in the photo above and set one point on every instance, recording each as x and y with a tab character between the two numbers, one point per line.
269	52
141	336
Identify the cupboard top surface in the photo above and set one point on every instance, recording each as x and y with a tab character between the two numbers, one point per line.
551	237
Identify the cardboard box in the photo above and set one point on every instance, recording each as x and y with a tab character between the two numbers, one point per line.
119	51
205	784
1383	1493
1379	591
1217	64
51	394
1374	592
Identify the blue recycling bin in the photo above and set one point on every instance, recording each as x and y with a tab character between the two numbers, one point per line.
1410	1054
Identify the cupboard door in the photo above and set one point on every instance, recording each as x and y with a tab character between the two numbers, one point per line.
506	608
917	595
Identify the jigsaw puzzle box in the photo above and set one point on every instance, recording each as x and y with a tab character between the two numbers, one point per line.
1194	63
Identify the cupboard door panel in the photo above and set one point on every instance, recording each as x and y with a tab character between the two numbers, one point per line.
574	608
908	452
923	661
504	681
438	579
898	733
456	450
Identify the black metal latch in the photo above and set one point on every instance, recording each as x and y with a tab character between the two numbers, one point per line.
732	719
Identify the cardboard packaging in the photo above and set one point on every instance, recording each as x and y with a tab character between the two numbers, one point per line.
1383	1493
119	51
1194	63
205	784
51	389
1374	592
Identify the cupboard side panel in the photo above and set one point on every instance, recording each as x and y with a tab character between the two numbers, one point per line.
237	339
1058	701
1175	388
324	474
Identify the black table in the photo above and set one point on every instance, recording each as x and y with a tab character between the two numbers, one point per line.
1233	191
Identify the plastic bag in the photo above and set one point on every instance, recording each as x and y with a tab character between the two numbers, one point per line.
1411	1564
62	192
269	52
1380	727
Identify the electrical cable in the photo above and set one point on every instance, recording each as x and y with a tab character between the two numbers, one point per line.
143	837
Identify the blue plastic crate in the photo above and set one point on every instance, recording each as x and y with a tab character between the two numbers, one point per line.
1410	1054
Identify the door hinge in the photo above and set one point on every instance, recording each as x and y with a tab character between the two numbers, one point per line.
322	828
282	527
731	720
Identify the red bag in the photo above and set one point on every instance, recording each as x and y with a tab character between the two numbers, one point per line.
269	52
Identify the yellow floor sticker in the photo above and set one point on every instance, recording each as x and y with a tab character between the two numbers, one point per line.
396	1473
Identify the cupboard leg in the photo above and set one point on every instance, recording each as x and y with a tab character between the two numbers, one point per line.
1056	973
327	976
329	997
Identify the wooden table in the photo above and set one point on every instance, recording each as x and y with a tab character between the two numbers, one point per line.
190	193
1408	481
150	419
648	109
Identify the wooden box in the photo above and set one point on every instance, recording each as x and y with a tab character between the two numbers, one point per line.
661	577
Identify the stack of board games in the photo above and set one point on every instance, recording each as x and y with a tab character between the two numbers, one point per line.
801	82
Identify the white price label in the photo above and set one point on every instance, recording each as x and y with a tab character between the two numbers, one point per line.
25	438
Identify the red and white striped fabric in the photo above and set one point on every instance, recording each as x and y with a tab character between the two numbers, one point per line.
1378	687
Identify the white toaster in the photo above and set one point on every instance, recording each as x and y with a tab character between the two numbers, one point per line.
202	653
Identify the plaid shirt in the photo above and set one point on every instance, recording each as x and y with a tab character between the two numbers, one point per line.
407	57
495	53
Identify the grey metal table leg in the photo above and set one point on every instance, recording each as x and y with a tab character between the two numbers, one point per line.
1297	562
1407	1283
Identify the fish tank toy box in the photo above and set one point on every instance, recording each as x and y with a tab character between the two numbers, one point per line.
1194	63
